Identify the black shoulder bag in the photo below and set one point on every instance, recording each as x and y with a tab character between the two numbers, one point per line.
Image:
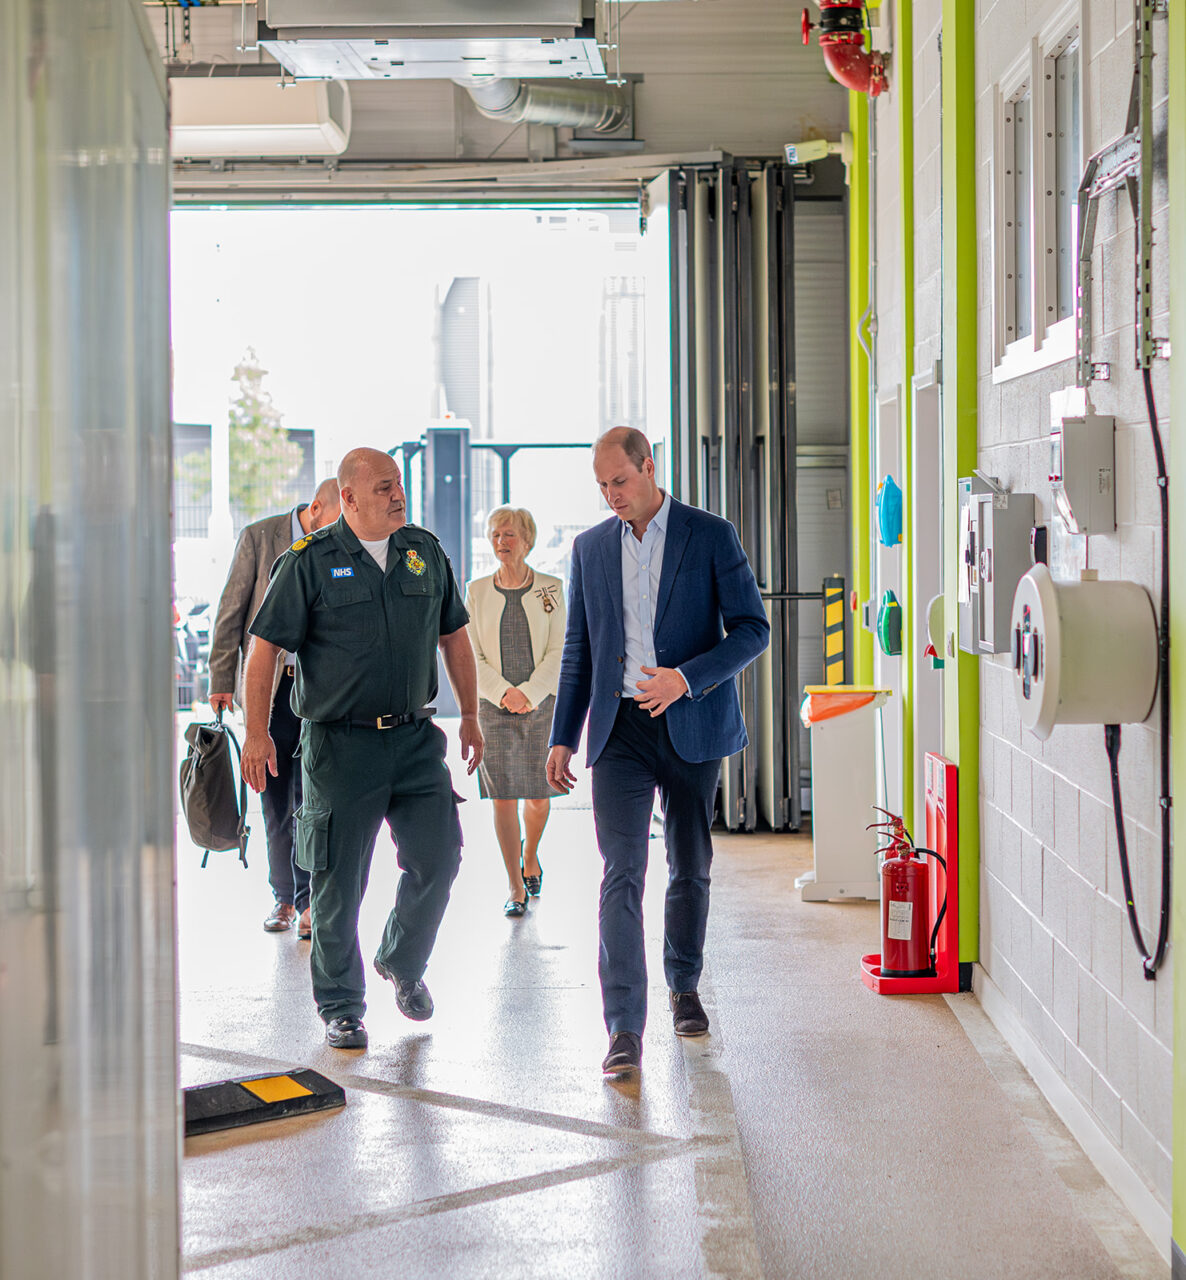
215	811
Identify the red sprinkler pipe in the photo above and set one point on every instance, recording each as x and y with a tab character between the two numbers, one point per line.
842	42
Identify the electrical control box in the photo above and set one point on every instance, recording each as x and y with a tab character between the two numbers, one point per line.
1082	467
994	555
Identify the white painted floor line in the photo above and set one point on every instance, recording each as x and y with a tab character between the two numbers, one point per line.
450	1101
322	1232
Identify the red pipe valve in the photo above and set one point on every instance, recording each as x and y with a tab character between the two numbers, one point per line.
842	42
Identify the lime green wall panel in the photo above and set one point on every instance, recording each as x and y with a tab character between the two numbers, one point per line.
961	688
902	87
858	379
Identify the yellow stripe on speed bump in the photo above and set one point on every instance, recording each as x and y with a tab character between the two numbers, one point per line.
276	1088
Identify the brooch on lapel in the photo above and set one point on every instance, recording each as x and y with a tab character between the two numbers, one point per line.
414	562
547	598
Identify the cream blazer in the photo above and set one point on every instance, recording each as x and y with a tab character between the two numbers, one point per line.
485	606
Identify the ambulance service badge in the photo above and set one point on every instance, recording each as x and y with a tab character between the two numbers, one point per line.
414	562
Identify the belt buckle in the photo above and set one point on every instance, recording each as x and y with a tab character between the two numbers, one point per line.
385	722
290	670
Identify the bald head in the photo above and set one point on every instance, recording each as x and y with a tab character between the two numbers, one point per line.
632	442
372	493
325	507
358	461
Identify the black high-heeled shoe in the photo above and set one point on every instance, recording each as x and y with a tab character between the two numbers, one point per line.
513	908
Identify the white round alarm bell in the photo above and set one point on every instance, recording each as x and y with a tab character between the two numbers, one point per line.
1083	652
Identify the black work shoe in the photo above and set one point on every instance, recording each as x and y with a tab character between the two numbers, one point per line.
625	1054
412	997
688	1013
346	1033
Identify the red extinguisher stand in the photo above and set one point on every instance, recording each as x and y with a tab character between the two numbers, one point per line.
942	835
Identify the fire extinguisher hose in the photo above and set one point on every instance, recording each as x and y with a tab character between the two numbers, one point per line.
943	909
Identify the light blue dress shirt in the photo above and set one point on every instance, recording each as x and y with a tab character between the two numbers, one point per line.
642	566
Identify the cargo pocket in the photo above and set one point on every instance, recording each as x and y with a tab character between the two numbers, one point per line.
312	838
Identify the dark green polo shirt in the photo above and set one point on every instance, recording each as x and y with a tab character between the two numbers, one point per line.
365	641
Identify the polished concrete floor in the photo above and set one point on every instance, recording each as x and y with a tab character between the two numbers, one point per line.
819	1131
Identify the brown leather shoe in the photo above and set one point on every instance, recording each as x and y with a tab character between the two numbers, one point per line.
305	925
280	921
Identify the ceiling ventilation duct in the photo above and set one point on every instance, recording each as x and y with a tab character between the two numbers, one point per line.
599	107
253	116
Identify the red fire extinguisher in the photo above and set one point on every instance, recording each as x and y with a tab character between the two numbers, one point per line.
907	934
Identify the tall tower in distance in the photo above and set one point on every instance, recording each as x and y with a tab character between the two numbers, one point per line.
623	352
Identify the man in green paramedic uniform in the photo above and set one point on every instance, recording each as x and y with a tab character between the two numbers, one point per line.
364	604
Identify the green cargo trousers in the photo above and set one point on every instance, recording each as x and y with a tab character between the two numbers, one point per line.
353	778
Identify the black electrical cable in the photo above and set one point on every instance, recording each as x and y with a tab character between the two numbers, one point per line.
1152	961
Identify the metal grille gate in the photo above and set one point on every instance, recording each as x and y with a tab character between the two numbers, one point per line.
734	437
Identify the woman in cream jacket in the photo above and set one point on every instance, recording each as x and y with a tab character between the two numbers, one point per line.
516	625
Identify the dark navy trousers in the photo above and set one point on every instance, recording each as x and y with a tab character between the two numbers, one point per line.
637	760
281	798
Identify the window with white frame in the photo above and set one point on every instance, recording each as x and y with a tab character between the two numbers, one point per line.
1037	162
1063	66
1019	220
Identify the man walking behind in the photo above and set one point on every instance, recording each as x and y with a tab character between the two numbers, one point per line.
258	547
363	605
663	612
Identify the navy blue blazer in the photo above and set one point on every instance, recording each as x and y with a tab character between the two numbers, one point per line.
709	622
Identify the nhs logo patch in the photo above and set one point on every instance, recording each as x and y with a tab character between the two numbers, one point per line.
341	573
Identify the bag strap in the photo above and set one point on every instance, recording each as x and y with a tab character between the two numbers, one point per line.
244	830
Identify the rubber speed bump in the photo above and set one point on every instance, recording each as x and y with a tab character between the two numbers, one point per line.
252	1099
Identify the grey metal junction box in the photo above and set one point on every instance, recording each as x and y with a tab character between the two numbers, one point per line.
994	554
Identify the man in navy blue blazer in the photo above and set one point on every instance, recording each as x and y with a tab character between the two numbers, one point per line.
663	612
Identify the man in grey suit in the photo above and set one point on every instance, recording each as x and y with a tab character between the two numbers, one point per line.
251	569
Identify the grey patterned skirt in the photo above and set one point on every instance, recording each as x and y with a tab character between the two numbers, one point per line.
516	756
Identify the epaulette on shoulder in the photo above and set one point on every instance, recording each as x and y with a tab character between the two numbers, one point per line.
316	536
422	531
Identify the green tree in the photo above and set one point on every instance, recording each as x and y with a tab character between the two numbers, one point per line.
263	460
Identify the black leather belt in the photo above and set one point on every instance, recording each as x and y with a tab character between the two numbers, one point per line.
384	722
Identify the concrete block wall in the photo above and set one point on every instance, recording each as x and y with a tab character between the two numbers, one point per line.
1055	940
